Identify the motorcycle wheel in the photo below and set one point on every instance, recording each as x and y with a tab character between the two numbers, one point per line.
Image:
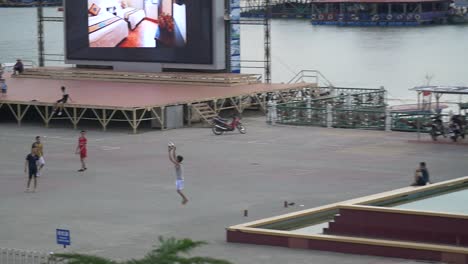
241	129
217	131
433	135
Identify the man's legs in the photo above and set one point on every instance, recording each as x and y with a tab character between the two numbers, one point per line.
184	199
83	164
35	182
180	187
29	183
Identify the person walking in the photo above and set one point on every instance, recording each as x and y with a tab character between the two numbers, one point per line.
40	154
30	169
82	150
179	171
59	105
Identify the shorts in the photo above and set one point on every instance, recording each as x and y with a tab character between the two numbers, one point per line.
179	185
61	101
83	154
41	161
32	173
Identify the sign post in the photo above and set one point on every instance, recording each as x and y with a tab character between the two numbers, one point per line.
63	237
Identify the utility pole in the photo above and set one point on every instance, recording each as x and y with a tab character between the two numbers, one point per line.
267	40
40	33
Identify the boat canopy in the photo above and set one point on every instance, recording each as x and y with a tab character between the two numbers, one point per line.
442	89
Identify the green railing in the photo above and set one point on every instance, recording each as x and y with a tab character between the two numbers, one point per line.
409	122
297	114
337	107
359	118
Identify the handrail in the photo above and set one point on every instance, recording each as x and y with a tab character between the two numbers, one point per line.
300	76
26	63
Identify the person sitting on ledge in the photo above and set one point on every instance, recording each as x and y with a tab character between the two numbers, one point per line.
18	68
421	175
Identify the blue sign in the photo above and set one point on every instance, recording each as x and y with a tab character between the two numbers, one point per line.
235	37
63	237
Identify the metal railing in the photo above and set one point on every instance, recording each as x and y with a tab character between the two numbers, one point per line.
359	118
295	114
409	122
17	256
314	75
365	109
8	66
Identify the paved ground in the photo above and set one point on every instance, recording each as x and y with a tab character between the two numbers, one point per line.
126	199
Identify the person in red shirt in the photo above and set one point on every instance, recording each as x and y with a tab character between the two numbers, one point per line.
82	150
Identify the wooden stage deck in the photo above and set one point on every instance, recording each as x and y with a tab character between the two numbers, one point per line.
132	101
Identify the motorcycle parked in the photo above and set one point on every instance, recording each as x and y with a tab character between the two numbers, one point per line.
438	128
221	125
456	128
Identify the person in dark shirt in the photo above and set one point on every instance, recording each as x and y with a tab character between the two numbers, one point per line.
18	68
421	176
30	167
60	103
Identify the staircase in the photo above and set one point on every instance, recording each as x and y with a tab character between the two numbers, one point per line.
205	111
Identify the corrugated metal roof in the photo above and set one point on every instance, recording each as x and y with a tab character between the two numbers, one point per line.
442	89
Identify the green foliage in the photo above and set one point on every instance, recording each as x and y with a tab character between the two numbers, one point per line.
168	252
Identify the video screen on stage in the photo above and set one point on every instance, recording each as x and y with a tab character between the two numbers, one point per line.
170	31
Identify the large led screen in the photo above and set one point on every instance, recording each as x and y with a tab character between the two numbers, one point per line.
170	31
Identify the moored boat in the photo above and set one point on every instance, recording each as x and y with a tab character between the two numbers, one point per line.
379	12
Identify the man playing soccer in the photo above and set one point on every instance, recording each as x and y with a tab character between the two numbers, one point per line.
82	150
179	171
30	167
40	154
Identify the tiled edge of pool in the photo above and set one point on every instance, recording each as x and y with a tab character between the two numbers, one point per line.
256	233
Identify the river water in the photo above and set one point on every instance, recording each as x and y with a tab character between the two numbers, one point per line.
395	57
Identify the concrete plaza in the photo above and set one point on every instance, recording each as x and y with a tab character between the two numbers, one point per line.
127	198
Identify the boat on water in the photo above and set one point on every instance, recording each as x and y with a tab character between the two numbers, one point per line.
459	12
380	12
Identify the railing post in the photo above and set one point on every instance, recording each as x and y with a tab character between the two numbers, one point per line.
271	115
309	107
329	116
388	120
268	116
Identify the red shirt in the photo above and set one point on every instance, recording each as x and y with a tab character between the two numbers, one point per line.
82	141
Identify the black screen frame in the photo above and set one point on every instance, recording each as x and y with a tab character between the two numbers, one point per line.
198	49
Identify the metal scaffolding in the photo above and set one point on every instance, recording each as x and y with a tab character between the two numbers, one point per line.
263	20
40	34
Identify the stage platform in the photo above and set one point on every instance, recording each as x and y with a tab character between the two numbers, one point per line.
135	102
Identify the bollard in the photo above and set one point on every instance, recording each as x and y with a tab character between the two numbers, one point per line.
246	212
269	111
329	118
388	120
274	115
